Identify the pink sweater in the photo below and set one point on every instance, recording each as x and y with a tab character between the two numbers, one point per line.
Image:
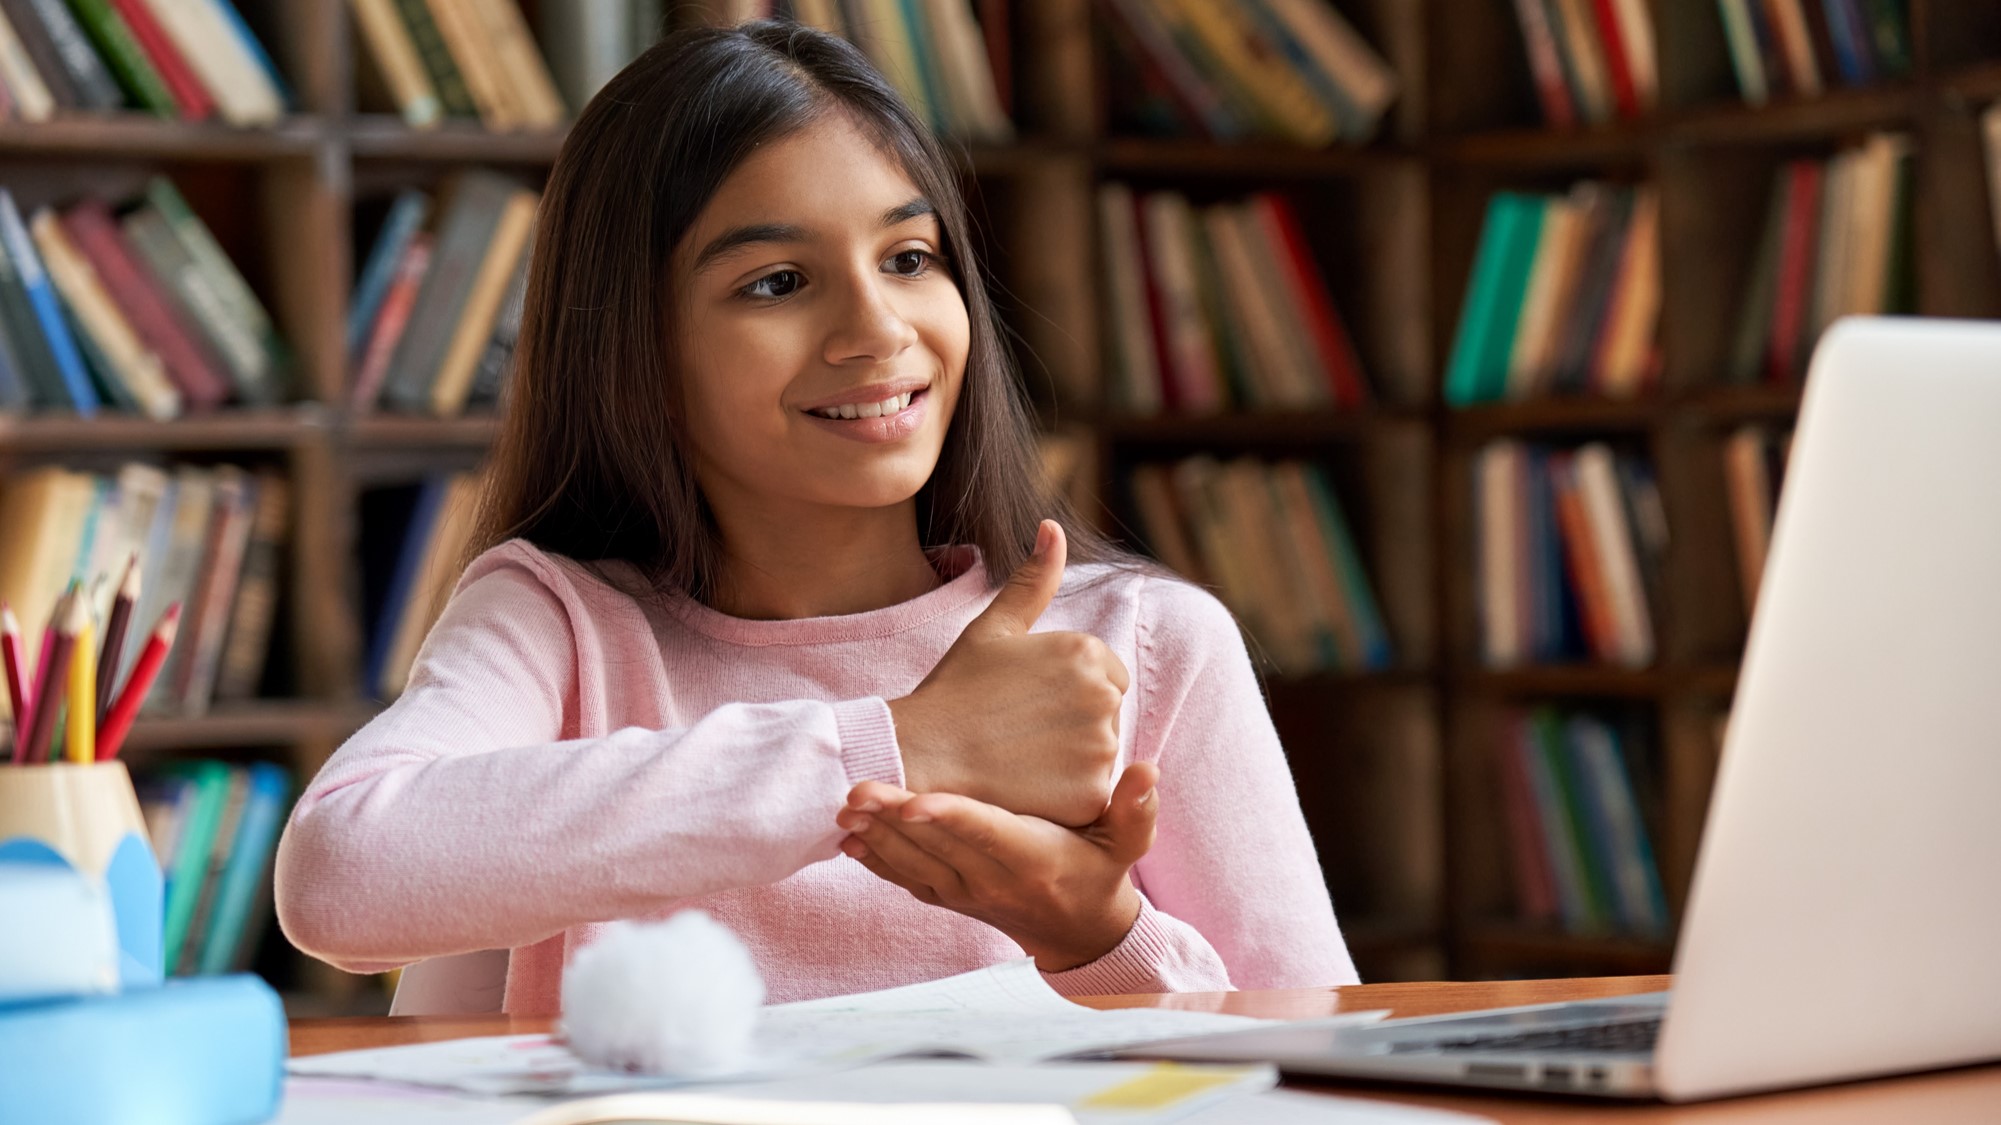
563	757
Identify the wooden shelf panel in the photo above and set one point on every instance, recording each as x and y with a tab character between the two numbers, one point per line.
1143	156
225	430
382	137
1246	428
259	723
117	135
1556	416
1582	680
389	431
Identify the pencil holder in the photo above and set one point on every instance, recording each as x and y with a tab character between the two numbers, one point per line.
86	817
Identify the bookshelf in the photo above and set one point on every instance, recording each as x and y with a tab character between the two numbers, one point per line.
1393	765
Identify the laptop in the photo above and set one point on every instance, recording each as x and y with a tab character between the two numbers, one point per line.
1845	914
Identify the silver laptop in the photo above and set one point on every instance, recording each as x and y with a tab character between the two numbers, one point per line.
1845	918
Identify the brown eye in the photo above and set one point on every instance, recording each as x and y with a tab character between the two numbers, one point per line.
911	263
774	285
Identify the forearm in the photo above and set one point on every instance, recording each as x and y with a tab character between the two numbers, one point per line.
398	852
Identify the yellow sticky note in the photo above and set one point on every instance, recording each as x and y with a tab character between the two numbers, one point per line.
1161	1086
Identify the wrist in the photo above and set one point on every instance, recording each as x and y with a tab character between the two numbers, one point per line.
1101	936
925	768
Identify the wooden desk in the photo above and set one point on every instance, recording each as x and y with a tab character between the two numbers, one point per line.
1945	1098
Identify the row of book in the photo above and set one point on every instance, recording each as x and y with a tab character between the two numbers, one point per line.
1577	795
133	307
1273	540
1219	307
1754	467
214	828
413	542
951	64
193	60
1592	61
1569	547
461	58
208	538
1291	70
436	309
1564	297
1801	47
1837	240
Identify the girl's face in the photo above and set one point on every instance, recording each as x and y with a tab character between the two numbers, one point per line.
821	337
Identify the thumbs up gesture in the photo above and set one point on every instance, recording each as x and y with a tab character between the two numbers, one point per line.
1025	721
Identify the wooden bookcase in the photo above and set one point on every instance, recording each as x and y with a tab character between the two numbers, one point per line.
1392	765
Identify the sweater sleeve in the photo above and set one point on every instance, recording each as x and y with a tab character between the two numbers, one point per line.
460	819
1234	896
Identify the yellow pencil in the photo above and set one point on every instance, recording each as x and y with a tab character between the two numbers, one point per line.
83	687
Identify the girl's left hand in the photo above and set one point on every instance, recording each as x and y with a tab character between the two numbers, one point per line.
1062	894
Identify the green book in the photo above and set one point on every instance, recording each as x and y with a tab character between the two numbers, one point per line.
1478	369
187	870
924	48
1354	577
194	237
437	57
1554	742
113	38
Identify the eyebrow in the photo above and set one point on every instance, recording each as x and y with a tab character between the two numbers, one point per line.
736	238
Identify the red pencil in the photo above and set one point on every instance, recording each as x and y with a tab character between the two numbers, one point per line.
111	736
51	682
17	693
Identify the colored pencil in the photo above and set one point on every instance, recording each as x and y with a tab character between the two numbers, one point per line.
114	636
51	682
126	708
17	692
31	690
82	685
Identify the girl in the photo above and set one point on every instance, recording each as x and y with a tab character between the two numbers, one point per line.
751	629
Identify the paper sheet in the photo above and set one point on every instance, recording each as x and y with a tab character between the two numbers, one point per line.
1002	1014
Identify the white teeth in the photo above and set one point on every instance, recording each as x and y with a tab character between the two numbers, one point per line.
881	409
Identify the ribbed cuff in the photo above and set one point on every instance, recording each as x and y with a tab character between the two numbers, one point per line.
1133	965
868	741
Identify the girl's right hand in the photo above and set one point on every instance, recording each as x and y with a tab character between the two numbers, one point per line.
1026	721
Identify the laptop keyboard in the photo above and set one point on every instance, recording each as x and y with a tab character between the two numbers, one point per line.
1625	1037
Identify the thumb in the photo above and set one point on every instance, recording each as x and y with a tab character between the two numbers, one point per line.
1028	590
1127	825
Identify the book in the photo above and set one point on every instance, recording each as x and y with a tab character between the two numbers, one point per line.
31	96
127	61
405	519
248	642
194	846
437	57
391	322
232	512
246	865
529	86
439	554
452	383
263	383
395	55
26	262
44	60
1484	341
588	41
466	224
136	368
405	218
191	98
195	373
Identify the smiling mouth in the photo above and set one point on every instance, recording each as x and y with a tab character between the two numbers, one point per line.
895	404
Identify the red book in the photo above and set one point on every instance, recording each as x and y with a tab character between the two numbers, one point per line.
190	96
1587	579
1535	885
196	372
1617	64
1171	375
1798	247
1331	341
391	319
1546	64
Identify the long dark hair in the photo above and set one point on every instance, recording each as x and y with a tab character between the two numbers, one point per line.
592	461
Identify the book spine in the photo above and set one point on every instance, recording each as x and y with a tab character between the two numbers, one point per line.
122	53
132	365
250	619
1745	57
482	306
1546	64
201	304
191	98
437	58
216	55
95	86
523	70
465	38
405	216
31	97
48	314
45	59
1331	340
92	228
391	323
222	274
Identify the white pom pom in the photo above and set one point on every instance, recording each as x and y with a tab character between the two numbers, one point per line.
678	997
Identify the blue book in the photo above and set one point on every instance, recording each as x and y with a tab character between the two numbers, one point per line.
406	217
48	311
249	858
403	579
187	1052
1535	740
1851	42
254	49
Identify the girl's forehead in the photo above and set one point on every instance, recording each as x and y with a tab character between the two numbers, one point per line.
829	174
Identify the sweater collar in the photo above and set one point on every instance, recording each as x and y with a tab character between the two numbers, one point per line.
965	584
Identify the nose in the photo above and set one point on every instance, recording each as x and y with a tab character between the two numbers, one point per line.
867	326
